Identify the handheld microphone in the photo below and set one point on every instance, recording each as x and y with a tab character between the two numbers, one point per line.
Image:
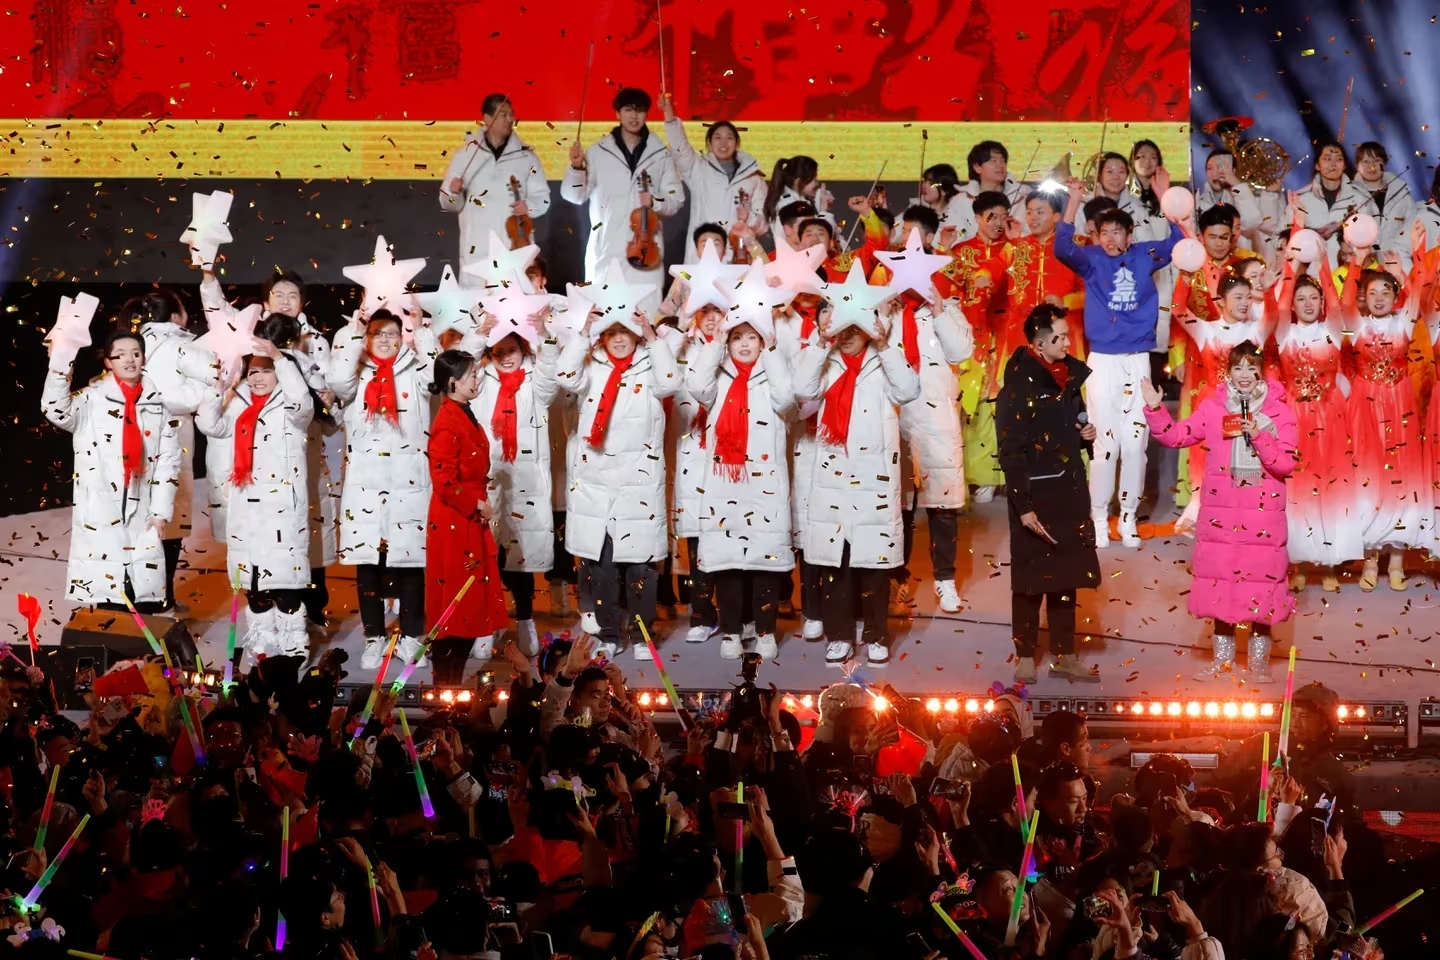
1245	415
1082	418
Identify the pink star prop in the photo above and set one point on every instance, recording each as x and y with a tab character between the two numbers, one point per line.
912	268
754	302
514	312
795	269
451	307
230	339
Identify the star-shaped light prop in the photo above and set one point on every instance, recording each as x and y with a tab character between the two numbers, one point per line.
754	302
384	277
571	320
230	338
501	265
912	268
451	307
616	300
209	225
71	332
710	280
513	311
795	269
854	302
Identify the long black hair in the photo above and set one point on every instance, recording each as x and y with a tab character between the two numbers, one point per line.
789	172
157	306
449	366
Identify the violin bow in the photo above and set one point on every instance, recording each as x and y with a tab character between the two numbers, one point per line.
475	154
868	194
660	36
584	91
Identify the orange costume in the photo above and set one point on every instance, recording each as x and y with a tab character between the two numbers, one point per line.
1036	274
985	308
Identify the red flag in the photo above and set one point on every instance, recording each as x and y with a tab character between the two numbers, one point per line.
29	608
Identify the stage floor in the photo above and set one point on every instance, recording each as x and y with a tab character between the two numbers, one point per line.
1365	646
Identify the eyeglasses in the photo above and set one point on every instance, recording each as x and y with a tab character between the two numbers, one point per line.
385	335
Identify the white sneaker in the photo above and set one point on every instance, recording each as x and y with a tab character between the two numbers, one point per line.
1130	535
374	653
526	639
589	623
291	637
899	599
640	650
606	650
483	648
812	629
559	599
409	647
983	494
730	647
766	646
1102	531
878	653
947	595
838	651
747	631
700	634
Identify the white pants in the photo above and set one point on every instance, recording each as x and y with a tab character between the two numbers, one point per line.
1116	408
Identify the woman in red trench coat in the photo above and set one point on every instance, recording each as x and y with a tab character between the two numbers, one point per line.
458	542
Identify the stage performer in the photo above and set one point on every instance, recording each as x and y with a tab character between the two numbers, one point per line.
1330	198
264	419
458	541
1121	306
1388	199
726	184
854	529
127	469
383	383
1261	211
1240	560
1328	501
988	164
493	176
940	190
797	179
1112	181
979	271
1036	276
515	390
621	371
1386	417
744	542
1052	532
609	176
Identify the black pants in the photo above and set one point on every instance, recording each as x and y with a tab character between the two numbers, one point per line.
1227	629
742	594
408	583
317	596
702	589
811	593
563	569
844	589
287	599
172	563
616	592
944	528
1025	620
665	584
447	657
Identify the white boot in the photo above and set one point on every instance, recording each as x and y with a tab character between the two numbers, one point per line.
589	623
730	648
409	648
1224	657
526	638
291	636
1257	660
1102	530
260	636
813	629
767	646
483	649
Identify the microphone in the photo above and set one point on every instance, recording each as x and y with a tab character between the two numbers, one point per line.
1082	418
1245	415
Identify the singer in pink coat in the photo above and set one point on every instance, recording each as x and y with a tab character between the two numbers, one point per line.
1240	565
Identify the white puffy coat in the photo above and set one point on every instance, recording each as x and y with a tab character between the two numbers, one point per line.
714	194
166	346
931	425
1395	218
268	528
108	536
855	489
1146	226
520	490
619	491
687	436
322	438
613	193
745	524
802	427
386	487
484	203
1319	214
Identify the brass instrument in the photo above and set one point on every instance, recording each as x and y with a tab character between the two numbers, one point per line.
1260	162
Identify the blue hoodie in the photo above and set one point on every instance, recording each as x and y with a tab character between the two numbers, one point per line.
1121	302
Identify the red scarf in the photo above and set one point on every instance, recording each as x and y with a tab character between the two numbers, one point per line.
1060	370
808	314
732	426
504	420
242	474
910	330
840	401
380	391
607	400
132	444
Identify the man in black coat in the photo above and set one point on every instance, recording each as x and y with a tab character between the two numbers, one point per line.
1042	429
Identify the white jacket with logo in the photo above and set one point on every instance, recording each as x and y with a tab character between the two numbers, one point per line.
485	201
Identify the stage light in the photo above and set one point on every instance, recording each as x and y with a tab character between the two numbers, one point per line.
1230	710
1138	708
807	701
504	695
447	696
1343	712
972	706
989	706
932	705
662	699
1212	710
1192	709
1267	709
644	699
1174	709
952	705
1156	709
1360	712
881	704
1248	711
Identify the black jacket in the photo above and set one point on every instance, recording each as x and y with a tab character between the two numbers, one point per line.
845	926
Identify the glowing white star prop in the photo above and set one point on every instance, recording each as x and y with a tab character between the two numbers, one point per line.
795	269
854	302
209	225
501	265
229	339
384	277
514	312
451	307
754	302
71	332
709	280
912	268
616	300
567	323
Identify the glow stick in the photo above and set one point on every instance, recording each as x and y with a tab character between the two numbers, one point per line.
149	637
229	680
196	747
1155	884
404	677
1264	780
1013	927
374	904
425	805
739	841
28	903
470	820
1285	710
88	956
664	677
959	934
284	872
1389	911
45	813
1019	792
374	697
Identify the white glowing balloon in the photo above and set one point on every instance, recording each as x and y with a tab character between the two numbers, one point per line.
1361	230
1305	246
1189	255
1177	203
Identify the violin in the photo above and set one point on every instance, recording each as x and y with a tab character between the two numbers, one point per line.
643	250
520	230
739	252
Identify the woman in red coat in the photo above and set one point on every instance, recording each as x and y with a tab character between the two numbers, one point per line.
458	543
